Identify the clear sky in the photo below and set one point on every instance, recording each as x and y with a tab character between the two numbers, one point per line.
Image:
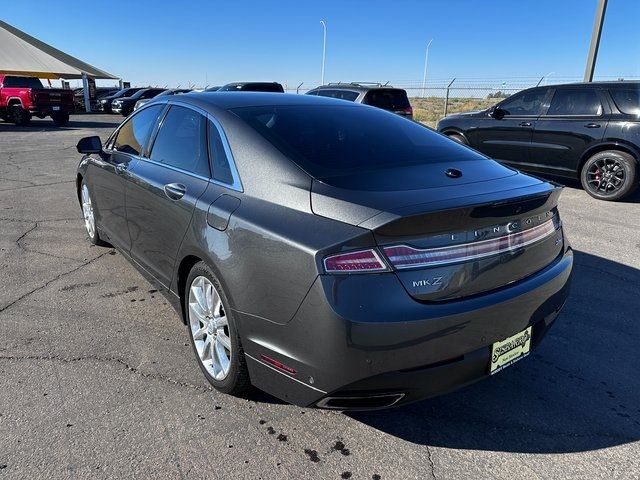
214	42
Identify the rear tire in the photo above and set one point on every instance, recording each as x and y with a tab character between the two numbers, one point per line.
60	119
610	175
213	332
458	138
19	115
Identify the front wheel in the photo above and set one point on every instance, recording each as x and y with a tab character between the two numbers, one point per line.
609	175
213	332
89	216
458	138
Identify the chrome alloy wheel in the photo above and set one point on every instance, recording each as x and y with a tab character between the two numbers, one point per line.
87	212
209	327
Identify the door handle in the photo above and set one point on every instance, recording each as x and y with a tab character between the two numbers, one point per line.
525	124
592	125
175	191
122	168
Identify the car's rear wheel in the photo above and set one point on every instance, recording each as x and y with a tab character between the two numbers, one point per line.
19	115
458	138
60	119
89	216
213	332
609	175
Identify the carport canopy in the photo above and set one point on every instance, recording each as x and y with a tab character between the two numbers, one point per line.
22	54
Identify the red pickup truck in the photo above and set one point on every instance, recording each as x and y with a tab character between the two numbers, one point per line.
24	97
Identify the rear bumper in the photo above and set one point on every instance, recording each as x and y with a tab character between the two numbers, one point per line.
47	110
363	336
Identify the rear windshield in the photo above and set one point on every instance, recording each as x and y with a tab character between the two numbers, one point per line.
24	82
389	99
627	100
329	140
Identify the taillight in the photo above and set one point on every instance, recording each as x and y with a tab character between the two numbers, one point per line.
408	111
403	256
361	261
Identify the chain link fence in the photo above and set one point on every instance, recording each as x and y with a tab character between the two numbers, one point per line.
439	98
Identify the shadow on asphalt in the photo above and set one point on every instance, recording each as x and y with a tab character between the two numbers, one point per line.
579	391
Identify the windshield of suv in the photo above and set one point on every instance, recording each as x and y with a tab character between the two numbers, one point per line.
392	99
328	140
24	82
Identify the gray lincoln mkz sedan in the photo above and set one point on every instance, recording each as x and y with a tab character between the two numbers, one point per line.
329	253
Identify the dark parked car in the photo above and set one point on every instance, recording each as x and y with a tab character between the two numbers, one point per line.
251	87
104	104
170	91
586	131
329	253
101	92
125	105
386	97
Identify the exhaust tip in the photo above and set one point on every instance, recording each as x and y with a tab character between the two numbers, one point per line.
369	402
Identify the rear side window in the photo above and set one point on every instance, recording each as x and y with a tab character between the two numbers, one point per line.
134	133
388	99
181	141
338	139
627	100
341	94
219	159
575	101
24	82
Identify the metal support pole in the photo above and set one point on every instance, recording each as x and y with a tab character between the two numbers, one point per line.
298	87
120	83
85	91
446	100
595	40
324	47
540	81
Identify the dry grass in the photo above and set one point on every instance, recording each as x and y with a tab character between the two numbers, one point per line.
431	109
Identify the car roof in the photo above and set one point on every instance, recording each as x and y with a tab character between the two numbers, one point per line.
229	100
360	87
612	83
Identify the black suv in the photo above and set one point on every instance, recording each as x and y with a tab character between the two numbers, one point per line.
586	131
382	96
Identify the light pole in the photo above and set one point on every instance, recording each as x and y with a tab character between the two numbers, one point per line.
324	47
426	59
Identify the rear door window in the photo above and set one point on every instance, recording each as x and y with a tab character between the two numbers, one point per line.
526	104
388	99
575	101
181	141
627	100
134	133
219	159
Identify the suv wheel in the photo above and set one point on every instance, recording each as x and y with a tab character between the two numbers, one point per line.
19	115
60	119
609	175
213	332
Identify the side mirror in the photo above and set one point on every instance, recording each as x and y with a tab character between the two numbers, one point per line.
90	145
498	113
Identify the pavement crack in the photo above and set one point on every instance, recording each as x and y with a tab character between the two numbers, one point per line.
36	185
431	464
115	360
21	237
49	282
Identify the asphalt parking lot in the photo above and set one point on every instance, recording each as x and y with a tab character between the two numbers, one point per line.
97	379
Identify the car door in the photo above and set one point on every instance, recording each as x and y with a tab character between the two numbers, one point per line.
573	122
164	188
110	172
505	132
